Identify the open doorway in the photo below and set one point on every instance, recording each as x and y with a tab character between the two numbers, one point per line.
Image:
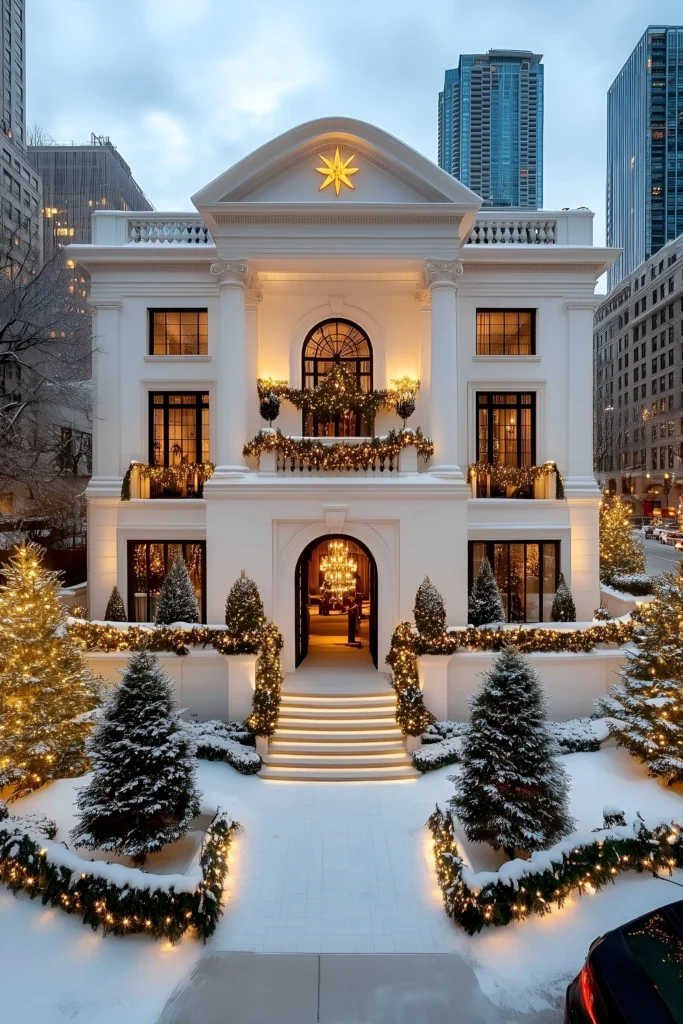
336	601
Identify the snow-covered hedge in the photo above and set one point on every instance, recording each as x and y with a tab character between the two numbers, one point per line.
523	887
231	742
113	897
442	741
636	583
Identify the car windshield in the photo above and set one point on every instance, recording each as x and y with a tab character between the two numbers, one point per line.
658	950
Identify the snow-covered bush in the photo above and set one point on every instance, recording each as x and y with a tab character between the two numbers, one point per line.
636	583
563	608
438	731
579	734
115	610
437	755
485	604
177	600
231	742
429	610
602	615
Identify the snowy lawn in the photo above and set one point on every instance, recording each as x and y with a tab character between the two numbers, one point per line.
324	868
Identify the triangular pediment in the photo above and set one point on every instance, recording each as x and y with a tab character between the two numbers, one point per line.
285	171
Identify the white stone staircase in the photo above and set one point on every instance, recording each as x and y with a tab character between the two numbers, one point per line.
338	737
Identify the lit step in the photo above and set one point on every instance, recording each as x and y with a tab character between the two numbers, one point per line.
306	711
339	723
364	774
350	734
339	700
315	745
350	760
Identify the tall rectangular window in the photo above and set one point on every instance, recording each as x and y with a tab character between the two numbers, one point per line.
506	428
179	433
148	565
506	332
526	574
178	332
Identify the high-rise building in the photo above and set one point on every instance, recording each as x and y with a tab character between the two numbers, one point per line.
491	126
645	150
638	383
77	180
20	188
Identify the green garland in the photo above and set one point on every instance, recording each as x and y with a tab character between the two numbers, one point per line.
411	714
311	453
574	870
122	910
167	476
515	476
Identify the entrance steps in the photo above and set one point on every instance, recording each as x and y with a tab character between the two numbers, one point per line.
337	737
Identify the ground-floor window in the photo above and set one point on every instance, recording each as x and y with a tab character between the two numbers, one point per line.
148	563
526	573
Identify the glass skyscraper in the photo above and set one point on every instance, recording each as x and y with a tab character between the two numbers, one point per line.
645	150
491	126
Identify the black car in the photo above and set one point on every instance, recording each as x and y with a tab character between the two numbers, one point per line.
633	975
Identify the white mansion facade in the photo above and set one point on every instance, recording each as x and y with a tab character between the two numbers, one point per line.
284	274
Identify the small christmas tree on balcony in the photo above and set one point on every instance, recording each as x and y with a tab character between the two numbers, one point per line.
177	600
429	610
485	604
142	793
620	552
244	608
45	687
115	610
563	608
645	710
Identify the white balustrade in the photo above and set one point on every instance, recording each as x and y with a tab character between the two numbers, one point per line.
179	232
517	231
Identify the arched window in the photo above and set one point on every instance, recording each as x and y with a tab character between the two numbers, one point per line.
330	343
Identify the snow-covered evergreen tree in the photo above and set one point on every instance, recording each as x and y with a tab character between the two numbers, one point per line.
645	710
563	609
115	610
45	686
485	604
142	793
244	607
511	791
177	600
429	610
621	553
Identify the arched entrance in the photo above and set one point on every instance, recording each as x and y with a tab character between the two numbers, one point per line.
323	610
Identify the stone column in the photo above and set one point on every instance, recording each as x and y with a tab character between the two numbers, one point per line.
253	299
107	376
441	277
580	487
232	386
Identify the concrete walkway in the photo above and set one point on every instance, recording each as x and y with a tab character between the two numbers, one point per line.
248	988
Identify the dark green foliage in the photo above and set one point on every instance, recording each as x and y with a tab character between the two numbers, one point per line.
115	610
142	792
636	583
563	609
177	600
498	903
244	608
511	791
429	610
266	700
269	407
120	910
411	714
485	604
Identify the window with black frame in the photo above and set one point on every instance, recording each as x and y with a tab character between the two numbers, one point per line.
506	332
506	433
332	343
179	431
178	332
148	564
526	574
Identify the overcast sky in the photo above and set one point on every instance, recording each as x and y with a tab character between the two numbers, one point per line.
184	88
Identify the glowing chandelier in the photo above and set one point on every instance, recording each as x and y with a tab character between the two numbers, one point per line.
339	570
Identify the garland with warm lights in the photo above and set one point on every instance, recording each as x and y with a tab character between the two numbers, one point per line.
574	869
411	714
167	476
120	909
515	476
311	453
265	642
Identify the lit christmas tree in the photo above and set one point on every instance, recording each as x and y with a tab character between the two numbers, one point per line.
177	600
620	552
244	607
142	793
646	708
45	686
485	604
429	610
563	609
115	610
511	791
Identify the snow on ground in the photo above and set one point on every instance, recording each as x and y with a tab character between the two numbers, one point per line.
331	868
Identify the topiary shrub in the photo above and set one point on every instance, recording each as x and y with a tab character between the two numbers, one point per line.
429	610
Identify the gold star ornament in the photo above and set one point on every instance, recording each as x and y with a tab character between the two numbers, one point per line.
337	172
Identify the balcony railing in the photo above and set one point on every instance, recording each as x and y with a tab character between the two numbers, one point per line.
189	231
514	232
525	482
381	457
183	481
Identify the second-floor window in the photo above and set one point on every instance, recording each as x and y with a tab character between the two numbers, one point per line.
178	332
178	427
506	332
506	428
336	343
